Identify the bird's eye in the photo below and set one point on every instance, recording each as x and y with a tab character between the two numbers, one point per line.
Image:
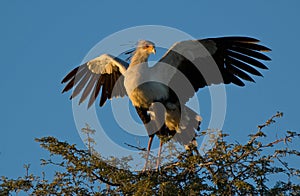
146	46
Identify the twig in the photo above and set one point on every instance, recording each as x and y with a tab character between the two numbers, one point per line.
103	180
136	147
271	120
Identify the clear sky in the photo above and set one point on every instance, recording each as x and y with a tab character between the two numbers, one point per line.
42	40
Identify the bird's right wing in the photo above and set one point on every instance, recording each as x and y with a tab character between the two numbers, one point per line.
212	61
105	71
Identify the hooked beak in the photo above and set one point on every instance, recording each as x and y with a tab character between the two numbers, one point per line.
153	50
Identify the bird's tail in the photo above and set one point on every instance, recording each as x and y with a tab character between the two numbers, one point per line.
170	121
189	124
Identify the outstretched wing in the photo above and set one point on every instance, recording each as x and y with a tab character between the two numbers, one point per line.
105	71
214	61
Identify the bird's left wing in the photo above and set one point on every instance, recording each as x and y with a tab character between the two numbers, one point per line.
212	61
105	71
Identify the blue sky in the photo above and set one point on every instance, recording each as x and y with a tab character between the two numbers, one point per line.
42	41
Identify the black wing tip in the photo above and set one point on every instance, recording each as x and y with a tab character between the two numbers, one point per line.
66	89
64	80
260	74
267	58
252	40
243	39
247	39
240	40
70	75
265	49
73	96
101	103
251	80
90	105
80	101
263	66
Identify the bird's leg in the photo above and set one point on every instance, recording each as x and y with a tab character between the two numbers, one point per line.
148	151
158	154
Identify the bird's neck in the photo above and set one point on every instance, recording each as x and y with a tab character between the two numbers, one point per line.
139	58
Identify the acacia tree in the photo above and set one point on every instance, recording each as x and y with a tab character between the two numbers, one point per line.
226	169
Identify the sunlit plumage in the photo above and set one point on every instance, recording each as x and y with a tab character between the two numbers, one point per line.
194	63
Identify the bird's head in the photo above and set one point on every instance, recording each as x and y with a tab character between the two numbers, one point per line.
146	46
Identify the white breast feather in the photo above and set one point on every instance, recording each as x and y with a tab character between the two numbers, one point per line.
142	87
